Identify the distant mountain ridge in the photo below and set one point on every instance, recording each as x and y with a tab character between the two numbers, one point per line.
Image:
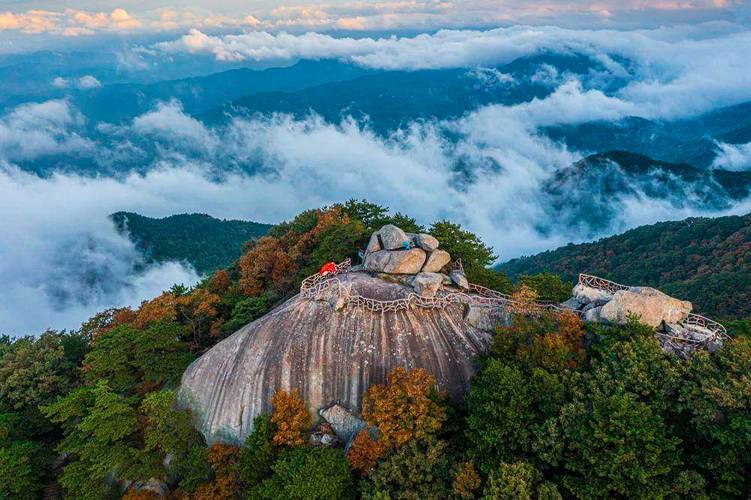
203	241
705	260
590	193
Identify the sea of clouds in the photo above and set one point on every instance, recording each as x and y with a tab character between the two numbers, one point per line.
61	259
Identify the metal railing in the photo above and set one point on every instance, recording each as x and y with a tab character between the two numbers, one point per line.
600	283
319	287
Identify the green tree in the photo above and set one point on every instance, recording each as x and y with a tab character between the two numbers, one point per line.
509	411
475	255
519	481
418	470
311	473
136	361
549	287
616	445
246	310
716	396
170	432
22	469
103	437
259	453
34	372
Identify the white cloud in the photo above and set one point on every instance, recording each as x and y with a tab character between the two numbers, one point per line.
85	82
37	129
672	71
733	157
61	259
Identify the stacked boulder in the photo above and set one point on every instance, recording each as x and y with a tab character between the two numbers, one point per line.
415	257
652	307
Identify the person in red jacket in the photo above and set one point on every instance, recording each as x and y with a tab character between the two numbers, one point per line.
328	268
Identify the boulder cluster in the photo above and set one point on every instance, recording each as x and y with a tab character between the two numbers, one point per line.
666	314
414	257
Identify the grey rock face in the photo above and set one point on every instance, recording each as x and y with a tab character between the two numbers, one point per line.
459	279
426	242
486	318
344	423
374	244
427	284
396	261
392	238
329	356
437	260
650	305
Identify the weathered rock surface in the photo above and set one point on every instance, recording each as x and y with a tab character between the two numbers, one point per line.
374	244
437	260
459	279
587	295
427	284
650	305
392	238
487	318
329	356
343	422
396	261
426	242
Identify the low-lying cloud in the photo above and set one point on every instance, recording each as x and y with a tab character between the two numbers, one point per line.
62	260
671	71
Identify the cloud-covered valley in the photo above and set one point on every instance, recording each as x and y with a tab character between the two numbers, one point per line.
489	169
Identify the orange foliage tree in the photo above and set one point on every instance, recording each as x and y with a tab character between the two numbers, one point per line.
364	452
291	418
406	408
223	459
160	308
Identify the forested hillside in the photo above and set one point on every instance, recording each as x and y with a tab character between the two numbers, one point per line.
199	239
705	260
557	409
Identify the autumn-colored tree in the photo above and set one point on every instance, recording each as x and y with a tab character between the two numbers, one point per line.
406	408
197	309
560	348
291	418
226	484
364	452
220	281
161	308
107	320
266	265
466	480
524	300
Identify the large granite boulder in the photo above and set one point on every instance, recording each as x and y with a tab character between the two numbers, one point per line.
650	305
329	356
396	261
437	260
392	238
426	242
427	284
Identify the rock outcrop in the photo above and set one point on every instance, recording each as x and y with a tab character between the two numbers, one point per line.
330	356
396	261
393	251
650	305
678	330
